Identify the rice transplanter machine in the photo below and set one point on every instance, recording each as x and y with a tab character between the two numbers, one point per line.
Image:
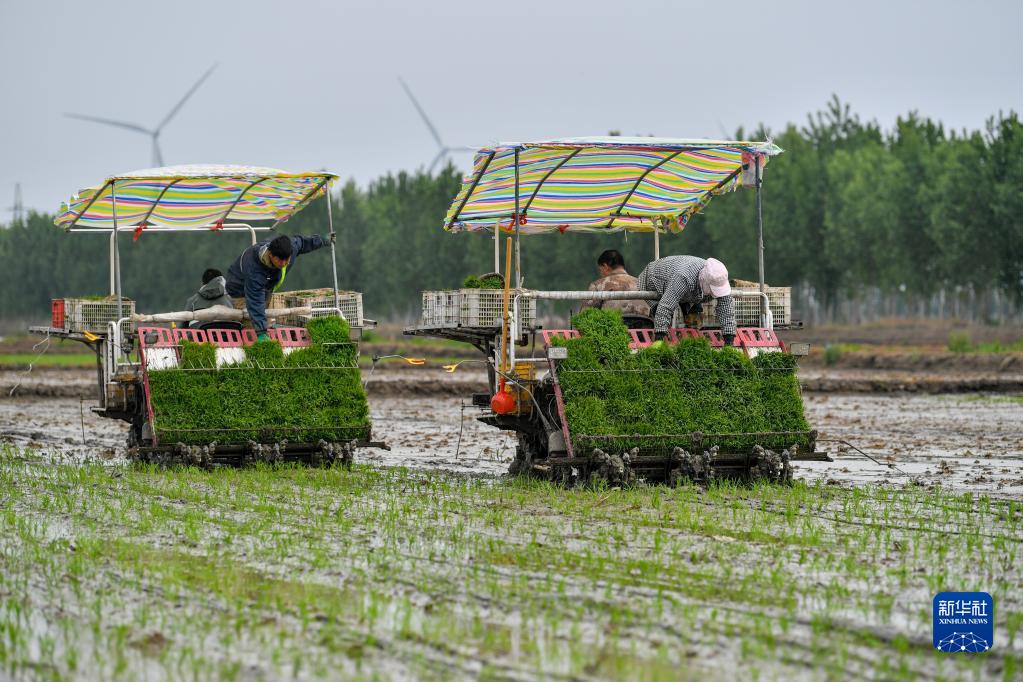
603	185
190	200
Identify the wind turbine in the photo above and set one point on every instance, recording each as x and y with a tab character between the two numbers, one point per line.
444	150
154	133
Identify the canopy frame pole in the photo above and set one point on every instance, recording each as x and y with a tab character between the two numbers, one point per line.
657	242
552	171
639	181
760	238
230	227
152	208
518	236
237	200
590	295
117	249
87	207
475	181
497	246
113	274
301	204
333	255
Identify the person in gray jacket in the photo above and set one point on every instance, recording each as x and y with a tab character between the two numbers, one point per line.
212	292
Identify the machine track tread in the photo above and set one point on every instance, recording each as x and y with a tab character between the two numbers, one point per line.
321	453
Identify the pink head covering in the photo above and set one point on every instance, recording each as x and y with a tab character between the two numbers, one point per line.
714	279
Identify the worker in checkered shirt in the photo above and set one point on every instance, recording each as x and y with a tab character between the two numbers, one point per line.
686	282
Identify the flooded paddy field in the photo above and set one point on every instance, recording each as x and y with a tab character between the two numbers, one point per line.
426	561
963	442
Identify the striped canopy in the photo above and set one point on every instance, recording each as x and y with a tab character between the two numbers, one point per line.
193	196
601	184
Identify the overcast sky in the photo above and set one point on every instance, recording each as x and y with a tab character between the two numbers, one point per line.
312	85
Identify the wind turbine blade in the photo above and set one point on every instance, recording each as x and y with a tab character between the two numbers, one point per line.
422	114
181	103
440	155
157	155
106	121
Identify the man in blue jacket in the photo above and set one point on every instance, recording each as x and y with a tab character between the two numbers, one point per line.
260	270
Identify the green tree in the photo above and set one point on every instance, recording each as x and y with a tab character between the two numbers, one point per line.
861	227
846	207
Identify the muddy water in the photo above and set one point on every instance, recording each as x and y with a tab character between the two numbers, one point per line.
422	432
60	426
962	441
968	441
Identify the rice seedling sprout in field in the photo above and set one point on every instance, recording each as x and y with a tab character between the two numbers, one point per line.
289	571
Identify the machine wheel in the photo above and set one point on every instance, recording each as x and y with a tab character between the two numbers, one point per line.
134	433
689	466
527	452
771	466
139	433
615	470
522	462
329	454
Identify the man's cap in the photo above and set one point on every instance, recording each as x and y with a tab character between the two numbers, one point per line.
714	279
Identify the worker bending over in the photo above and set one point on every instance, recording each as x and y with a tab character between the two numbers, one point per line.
614	277
686	282
260	270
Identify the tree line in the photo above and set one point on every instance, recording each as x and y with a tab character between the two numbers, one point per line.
849	208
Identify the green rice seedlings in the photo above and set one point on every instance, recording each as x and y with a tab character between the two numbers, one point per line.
490	281
264	354
198	355
314	393
675	391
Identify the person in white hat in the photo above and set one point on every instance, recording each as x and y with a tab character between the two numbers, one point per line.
687	282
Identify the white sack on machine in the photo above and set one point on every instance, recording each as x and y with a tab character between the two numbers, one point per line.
217	313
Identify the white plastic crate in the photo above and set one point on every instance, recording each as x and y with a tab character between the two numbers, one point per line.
485	308
322	303
747	307
93	315
440	309
480	308
277	300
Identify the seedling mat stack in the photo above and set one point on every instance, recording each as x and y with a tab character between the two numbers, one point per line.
221	397
690	408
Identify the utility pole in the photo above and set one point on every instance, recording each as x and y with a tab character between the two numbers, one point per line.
18	208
